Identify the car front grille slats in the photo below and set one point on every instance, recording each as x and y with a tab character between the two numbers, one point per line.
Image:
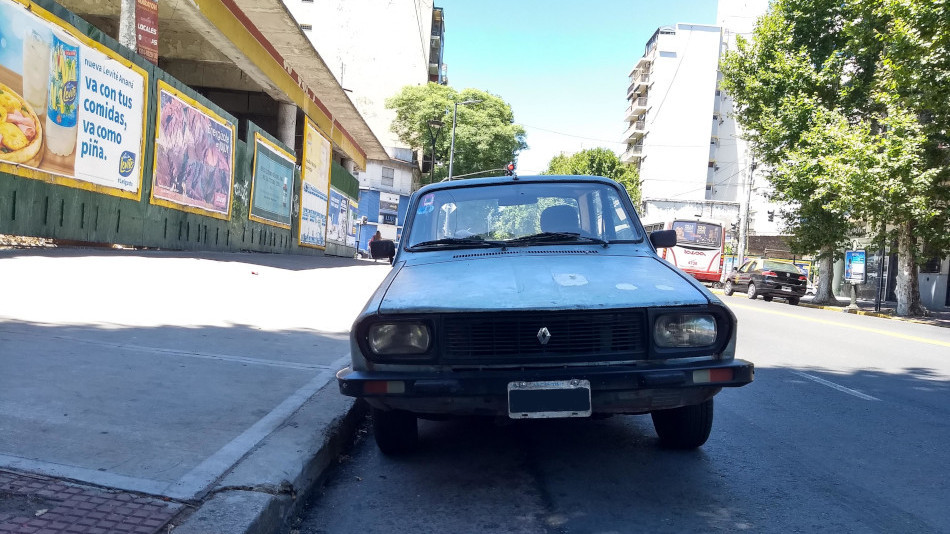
513	338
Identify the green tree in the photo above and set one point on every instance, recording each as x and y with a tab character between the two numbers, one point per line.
821	91
598	162
486	136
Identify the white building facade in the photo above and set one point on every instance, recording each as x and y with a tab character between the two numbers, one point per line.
375	49
681	134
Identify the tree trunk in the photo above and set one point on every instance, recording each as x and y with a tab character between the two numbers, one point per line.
826	262
908	291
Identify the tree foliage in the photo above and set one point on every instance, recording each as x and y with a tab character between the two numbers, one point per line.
598	162
486	136
838	99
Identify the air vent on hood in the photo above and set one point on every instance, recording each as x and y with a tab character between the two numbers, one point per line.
506	252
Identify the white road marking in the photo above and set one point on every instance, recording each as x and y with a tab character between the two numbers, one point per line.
839	387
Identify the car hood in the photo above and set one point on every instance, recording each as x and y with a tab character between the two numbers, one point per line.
589	280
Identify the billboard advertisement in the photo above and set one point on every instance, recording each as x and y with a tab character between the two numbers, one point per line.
70	108
194	156
854	263
315	189
272	183
338	219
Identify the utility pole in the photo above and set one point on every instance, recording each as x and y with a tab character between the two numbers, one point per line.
744	215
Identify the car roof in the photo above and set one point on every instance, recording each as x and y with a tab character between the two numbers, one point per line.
498	180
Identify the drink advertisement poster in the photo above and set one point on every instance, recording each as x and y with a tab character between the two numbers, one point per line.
70	108
194	156
315	191
338	220
272	184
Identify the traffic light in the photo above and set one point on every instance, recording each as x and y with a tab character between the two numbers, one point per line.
510	169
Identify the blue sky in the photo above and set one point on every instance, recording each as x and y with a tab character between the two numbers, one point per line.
562	66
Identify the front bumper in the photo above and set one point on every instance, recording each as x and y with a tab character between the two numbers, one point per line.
614	389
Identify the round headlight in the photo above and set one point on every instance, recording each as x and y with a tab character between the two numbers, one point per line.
398	338
685	330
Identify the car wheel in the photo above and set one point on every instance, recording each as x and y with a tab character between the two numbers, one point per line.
767	298
793	301
728	289
396	431
752	291
684	428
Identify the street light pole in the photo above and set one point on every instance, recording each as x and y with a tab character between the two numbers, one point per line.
452	146
434	125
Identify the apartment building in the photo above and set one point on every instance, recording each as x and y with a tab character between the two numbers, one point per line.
374	49
680	131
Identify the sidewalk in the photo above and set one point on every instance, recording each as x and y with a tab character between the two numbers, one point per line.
866	307
150	391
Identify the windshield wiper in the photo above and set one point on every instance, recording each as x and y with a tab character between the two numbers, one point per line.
545	237
473	241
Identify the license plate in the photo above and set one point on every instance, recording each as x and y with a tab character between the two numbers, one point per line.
786	288
552	398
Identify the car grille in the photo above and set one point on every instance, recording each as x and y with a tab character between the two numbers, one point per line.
512	338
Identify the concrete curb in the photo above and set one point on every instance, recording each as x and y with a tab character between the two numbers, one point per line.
270	486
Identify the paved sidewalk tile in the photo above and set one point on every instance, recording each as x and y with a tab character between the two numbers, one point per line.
32	504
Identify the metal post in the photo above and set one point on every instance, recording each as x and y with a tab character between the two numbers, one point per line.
435	126
744	216
452	145
878	297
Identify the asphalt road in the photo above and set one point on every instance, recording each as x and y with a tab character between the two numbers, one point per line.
845	429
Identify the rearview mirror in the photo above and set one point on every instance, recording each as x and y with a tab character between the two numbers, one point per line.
663	238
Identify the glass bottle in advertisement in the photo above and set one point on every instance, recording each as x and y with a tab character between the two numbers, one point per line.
63	101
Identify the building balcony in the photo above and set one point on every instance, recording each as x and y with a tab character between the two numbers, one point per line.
635	131
637	107
632	154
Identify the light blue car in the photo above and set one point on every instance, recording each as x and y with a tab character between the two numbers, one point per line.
538	297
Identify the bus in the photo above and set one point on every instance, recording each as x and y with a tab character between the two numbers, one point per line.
700	245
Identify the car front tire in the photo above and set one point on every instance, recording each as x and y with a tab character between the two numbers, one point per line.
728	289
396	431
687	427
753	292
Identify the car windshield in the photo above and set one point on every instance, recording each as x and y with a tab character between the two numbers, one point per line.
781	267
522	214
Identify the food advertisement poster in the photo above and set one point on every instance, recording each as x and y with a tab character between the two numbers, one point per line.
315	191
338	220
69	107
272	183
194	156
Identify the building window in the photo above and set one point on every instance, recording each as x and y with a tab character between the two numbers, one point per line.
306	27
388	175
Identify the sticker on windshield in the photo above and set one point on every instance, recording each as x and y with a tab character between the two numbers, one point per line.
427	205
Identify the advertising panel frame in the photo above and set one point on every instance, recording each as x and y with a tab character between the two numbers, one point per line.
24	171
855	263
162	85
309	124
260	139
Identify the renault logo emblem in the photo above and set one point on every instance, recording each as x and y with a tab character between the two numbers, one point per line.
544	335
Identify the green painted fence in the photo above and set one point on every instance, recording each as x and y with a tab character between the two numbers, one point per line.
30	207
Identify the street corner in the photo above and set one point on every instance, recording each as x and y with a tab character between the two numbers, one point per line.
38	504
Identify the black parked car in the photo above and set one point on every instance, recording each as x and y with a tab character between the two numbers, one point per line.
769	278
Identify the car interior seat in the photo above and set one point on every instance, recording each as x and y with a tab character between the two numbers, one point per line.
560	218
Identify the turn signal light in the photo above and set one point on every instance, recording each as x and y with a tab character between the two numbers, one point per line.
704	376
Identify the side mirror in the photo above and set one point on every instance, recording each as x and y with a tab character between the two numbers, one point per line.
663	238
382	249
